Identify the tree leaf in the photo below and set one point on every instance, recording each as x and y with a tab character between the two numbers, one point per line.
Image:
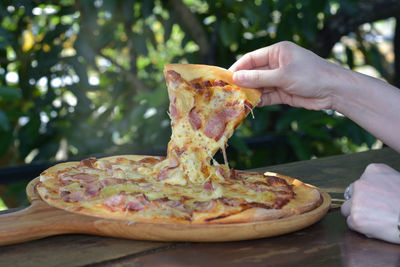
10	93
4	123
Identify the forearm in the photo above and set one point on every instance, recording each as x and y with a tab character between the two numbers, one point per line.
371	103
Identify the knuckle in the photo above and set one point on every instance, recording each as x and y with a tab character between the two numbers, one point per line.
359	186
356	220
378	168
286	43
257	76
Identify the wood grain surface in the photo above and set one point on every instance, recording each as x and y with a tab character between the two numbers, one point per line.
326	243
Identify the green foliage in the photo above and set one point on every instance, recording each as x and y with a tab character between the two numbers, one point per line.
89	75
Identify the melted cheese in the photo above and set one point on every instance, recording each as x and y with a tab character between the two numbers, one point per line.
192	147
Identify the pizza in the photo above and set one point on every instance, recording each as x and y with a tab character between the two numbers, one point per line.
187	186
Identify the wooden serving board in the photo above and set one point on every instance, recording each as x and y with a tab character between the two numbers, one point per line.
41	220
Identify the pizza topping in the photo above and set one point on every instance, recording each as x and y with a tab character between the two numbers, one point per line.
75	196
230	202
111	181
216	123
93	189
114	201
173	77
208	186
83	177
149	161
163	174
215	126
135	206
89	162
194	119
205	206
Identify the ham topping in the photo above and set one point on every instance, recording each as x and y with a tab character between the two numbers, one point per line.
114	201
93	189
74	197
205	206
216	123
173	111
208	186
149	160
194	119
135	206
82	177
173	163
111	181
173	76
89	162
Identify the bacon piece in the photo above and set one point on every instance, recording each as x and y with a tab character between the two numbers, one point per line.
103	165
89	162
178	204
148	160
76	196
280	202
173	163
229	201
208	186
64	193
205	206
135	206
114	201
194	119
111	181
163	174
82	177
93	189
219	83
273	180
173	76
206	84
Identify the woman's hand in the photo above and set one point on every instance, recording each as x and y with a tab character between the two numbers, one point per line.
289	74
374	206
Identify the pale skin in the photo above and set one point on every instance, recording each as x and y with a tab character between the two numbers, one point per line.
288	74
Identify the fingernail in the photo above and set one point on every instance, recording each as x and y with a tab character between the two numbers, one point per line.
239	76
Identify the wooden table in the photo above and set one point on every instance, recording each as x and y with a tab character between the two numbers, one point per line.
327	243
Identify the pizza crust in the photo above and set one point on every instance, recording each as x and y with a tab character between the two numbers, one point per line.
194	71
307	198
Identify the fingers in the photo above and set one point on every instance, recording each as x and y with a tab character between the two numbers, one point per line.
350	223
270	97
346	208
252	60
258	78
375	169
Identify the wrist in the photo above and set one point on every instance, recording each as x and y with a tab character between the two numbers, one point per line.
344	88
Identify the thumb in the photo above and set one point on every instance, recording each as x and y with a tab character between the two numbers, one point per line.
258	78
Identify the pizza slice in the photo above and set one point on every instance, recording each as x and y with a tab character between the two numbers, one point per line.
205	109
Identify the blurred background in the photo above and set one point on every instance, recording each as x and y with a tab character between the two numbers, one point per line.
84	78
